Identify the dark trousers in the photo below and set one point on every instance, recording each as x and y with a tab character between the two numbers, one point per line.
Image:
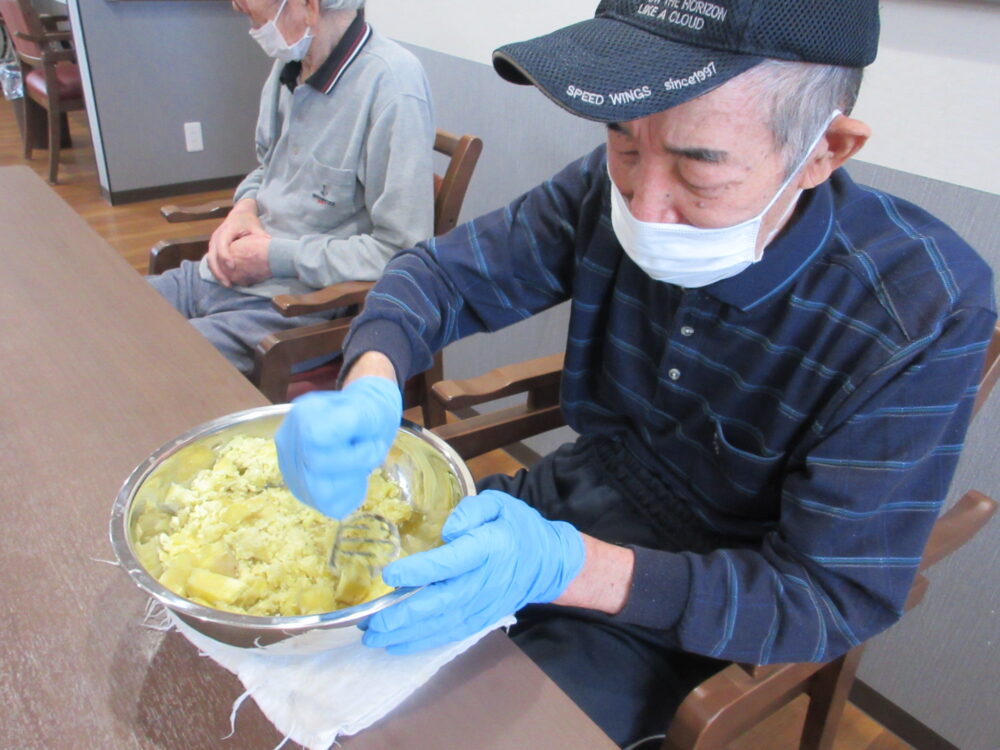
628	679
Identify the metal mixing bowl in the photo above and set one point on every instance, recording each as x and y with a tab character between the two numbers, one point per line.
177	462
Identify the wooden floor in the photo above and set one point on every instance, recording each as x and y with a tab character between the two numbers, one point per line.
133	228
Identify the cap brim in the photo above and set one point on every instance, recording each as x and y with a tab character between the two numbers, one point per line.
610	71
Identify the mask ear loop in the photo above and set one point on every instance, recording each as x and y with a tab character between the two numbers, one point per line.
278	14
307	34
788	180
273	22
802	163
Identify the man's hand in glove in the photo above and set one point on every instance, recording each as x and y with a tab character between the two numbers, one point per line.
332	440
500	554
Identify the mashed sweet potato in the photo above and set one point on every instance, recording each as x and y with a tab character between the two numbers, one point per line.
234	538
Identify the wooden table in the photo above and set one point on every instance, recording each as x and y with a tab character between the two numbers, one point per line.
96	371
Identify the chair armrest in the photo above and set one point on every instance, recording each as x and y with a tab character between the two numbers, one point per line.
30	37
991	371
213	210
954	528
279	352
957	525
344	294
167	254
541	412
535	377
43	40
731	701
58	36
474	436
51	21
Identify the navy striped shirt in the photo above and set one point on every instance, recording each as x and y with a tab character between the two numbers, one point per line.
811	408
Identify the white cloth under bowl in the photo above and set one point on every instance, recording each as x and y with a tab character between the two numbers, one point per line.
323	684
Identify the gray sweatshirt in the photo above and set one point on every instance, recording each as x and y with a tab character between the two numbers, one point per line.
346	176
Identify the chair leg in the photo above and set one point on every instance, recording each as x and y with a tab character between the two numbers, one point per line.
827	698
67	137
55	138
33	114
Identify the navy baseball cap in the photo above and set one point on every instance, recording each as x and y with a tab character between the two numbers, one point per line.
639	57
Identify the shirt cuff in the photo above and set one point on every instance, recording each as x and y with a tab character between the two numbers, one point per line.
661	582
245	192
281	257
382	336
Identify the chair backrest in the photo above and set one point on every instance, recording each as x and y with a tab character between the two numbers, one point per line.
21	20
450	189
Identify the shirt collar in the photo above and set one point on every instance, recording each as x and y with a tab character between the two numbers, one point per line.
795	247
343	54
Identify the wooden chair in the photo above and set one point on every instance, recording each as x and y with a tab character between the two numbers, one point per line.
742	695
276	356
50	74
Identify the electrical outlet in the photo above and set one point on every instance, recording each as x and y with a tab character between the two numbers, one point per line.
192	136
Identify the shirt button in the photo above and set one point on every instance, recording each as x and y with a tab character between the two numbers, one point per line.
686	330
674	373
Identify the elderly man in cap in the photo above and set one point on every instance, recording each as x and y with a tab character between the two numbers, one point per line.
344	139
771	368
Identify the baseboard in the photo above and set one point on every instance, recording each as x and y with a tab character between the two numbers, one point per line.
119	197
896	720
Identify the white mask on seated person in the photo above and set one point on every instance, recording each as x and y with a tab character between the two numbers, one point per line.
273	42
690	256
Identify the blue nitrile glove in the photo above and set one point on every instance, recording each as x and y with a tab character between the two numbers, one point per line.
330	441
500	555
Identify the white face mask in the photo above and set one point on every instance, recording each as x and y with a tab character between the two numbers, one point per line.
273	42
693	256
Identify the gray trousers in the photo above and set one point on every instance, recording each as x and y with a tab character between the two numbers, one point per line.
629	679
234	322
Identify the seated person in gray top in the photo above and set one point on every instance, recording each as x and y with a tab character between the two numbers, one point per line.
344	139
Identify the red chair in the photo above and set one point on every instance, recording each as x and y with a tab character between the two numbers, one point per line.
277	355
50	73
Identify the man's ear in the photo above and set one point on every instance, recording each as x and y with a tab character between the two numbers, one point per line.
312	12
844	138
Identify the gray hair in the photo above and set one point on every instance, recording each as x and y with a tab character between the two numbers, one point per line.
798	98
341	4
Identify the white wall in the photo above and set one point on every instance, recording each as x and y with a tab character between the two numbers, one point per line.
473	29
149	67
931	97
